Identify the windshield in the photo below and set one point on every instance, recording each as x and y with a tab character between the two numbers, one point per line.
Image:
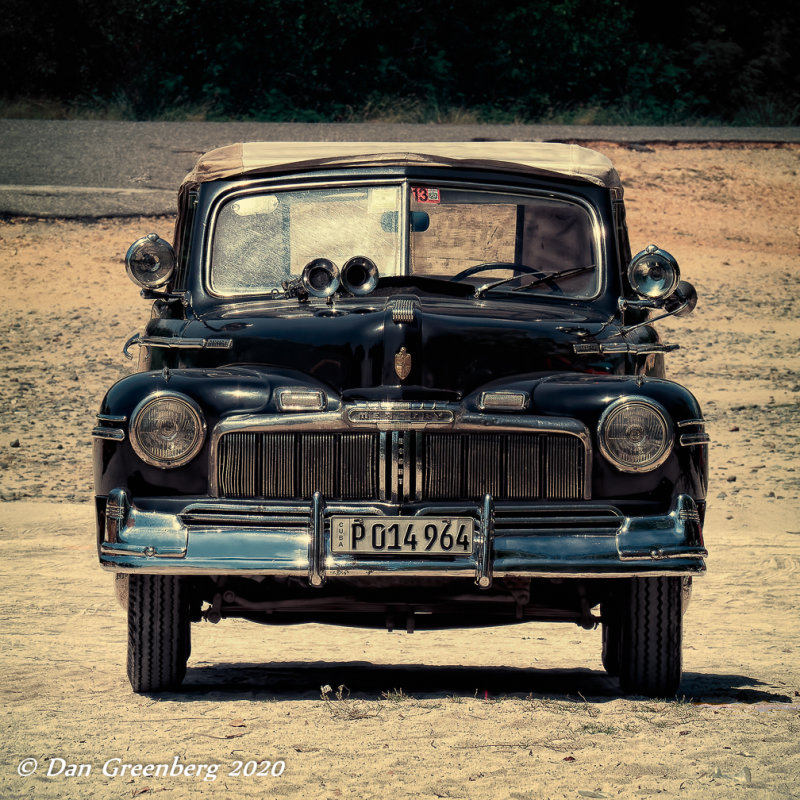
508	242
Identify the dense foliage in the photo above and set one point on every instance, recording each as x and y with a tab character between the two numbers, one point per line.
730	60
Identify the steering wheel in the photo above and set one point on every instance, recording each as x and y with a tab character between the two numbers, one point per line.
523	269
490	265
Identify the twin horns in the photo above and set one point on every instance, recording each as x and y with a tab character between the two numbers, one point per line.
321	277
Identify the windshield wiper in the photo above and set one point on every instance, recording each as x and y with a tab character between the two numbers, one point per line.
537	280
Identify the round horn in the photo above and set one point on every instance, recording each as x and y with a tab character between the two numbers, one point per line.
359	275
320	277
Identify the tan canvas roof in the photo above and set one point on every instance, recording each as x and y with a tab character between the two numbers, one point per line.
544	158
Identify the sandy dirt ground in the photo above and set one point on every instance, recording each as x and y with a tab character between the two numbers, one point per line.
523	712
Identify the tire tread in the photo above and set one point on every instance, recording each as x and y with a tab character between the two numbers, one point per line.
652	635
158	633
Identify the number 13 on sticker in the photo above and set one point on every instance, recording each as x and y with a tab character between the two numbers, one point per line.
423	194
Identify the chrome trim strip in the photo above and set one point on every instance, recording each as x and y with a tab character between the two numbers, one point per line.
113	434
419	444
117	419
401	417
407	469
176	343
686	423
394	466
382	462
218	343
693	439
566	519
117	507
583	348
170	566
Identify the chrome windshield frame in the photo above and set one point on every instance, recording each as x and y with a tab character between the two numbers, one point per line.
598	230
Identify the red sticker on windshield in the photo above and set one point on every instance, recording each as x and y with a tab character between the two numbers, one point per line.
425	195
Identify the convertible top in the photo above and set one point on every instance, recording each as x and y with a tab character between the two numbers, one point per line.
548	159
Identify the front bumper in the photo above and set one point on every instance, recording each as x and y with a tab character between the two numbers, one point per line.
232	537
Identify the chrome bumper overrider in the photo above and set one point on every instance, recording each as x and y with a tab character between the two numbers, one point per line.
226	537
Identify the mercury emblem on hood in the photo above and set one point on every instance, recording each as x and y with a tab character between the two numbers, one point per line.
402	363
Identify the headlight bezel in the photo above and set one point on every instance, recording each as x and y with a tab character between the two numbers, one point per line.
195	413
628	402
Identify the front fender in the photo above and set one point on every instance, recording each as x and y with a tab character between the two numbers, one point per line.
219	392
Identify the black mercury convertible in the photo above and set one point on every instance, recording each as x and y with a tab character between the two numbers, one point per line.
403	386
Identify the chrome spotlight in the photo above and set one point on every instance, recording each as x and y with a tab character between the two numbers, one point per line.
359	275
653	273
320	277
150	261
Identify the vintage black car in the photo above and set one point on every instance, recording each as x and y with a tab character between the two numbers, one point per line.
403	386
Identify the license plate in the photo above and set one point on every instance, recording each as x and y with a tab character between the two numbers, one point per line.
402	535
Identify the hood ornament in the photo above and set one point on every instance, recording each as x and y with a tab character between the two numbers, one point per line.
402	363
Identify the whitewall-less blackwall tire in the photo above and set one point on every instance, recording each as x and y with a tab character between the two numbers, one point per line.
158	632
652	637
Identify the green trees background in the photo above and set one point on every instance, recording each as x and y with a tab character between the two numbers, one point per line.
416	60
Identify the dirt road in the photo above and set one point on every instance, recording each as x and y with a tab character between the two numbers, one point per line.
523	712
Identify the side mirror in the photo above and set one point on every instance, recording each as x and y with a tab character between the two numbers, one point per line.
420	221
150	261
682	301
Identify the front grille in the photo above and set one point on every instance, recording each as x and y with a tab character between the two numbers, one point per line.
401	466
295	465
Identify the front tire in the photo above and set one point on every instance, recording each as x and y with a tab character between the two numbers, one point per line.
652	637
158	632
611	644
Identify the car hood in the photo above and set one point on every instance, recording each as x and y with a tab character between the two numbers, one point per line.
403	346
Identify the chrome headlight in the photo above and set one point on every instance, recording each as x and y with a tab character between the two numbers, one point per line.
167	430
635	434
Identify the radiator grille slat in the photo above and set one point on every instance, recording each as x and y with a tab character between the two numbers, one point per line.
358	464
563	470
523	467
401	466
318	464
441	481
484	465
277	465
